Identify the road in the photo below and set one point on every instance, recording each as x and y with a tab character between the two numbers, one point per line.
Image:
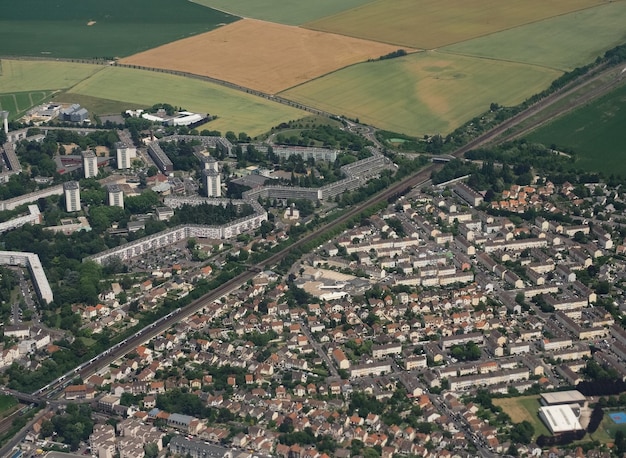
319	349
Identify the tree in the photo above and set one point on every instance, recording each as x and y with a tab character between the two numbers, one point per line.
522	433
151	450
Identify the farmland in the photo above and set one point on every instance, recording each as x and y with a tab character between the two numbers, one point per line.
23	75
261	55
92	28
523	408
237	111
562	42
593	132
422	93
430	24
283	11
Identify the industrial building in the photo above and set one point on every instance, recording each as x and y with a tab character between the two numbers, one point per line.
563	397
72	196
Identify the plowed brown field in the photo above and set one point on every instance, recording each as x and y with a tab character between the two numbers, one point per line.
261	55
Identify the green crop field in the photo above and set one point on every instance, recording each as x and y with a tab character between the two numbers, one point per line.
283	11
18	103
424	93
564	42
24	75
594	132
236	111
94	28
429	24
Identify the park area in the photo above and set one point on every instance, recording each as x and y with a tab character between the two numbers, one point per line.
563	42
236	111
593	132
523	408
96	29
260	55
430	24
283	11
423	93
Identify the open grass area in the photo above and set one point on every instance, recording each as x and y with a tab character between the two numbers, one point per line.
7	403
236	111
425	93
594	132
564	42
97	105
260	55
283	11
430	24
94	28
18	103
524	408
25	75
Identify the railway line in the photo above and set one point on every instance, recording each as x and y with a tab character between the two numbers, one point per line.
86	369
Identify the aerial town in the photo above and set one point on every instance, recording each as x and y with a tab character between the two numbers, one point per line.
446	321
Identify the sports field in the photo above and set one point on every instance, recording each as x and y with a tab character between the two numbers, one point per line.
425	93
594	132
283	11
18	103
95	28
237	111
523	408
564	42
261	55
24	75
430	24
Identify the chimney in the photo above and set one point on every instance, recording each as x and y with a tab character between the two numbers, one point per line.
5	121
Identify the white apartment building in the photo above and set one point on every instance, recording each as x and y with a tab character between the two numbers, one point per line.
72	196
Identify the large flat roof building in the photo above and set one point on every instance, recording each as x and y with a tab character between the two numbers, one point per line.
30	260
559	418
563	397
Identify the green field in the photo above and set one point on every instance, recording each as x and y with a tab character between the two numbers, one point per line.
430	24
425	93
594	132
283	11
94	28
18	103
24	75
564	42
236	111
7	402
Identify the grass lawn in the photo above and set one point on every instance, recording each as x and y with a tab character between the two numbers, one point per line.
524	408
97	105
424	93
594	132
283	11
24	75
564	42
607	429
94	28
236	111
18	103
429	24
7	403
